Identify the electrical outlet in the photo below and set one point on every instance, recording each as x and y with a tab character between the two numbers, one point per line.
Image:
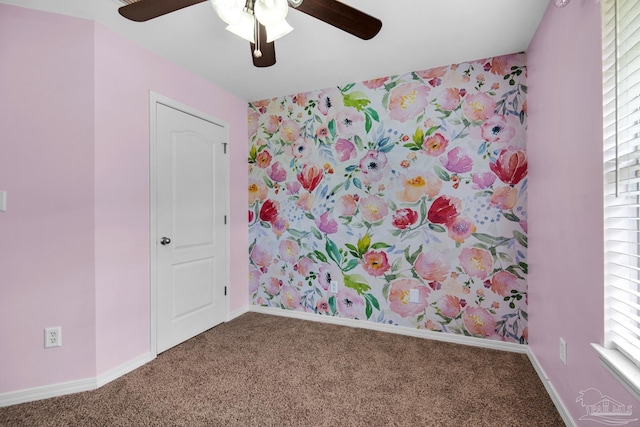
563	351
53	337
334	286
414	296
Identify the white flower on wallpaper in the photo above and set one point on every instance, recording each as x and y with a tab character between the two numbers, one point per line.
410	184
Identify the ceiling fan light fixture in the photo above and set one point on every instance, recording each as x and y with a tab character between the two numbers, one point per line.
230	11
270	12
245	28
274	32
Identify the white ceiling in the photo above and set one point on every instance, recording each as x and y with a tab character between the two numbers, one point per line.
415	35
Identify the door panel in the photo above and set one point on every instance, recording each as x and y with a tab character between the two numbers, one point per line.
190	207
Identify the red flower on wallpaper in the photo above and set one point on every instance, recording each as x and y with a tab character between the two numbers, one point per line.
310	176
511	166
404	218
269	210
443	210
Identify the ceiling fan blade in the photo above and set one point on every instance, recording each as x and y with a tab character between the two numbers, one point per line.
143	10
343	17
268	50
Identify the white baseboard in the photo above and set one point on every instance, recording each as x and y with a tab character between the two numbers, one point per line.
401	330
46	391
551	391
123	369
237	313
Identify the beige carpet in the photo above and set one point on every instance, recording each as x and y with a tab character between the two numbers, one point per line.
261	370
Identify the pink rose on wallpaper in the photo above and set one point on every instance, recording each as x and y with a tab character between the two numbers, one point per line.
269	210
345	150
449	306
347	205
375	83
504	198
263	159
350	304
254	279
322	132
511	165
501	65
431	266
254	122
482	180
456	161
478	106
476	262
373	208
290	297
305	201
408	100
277	173
300	149
444	210
417	185
304	266
326	224
503	282
252	215
450	99
273	122
461	229
496	129
293	187
289	251
289	130
404	218
478	321
329	99
375	263
399	297
350	122
310	176
435	144
301	99
279	225
329	273
257	190
273	285
322	306
262	254
372	165
433	73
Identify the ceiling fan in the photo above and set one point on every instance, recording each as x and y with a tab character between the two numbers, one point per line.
332	12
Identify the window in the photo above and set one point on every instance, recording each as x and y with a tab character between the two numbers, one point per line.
621	98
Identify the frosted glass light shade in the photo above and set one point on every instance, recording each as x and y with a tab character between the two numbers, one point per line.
230	11
245	28
274	32
270	12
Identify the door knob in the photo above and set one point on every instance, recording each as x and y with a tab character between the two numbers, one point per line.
165	241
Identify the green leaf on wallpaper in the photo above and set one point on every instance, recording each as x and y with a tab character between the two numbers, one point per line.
418	136
392	205
442	174
380	245
356	99
332	128
363	244
524	267
367	123
521	238
522	116
351	247
253	152
267	182
320	256
505	257
512	269
385	98
297	233
357	141
511	216
411	258
347	87
368	310
423	208
356	282
333	251
353	263
373	300
437	227
396	265
373	113
357	183
523	88
432	130
316	233
493	241
332	304
385	290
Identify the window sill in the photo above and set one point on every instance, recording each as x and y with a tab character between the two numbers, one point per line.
625	371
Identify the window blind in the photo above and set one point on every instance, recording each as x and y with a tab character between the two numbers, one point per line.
621	102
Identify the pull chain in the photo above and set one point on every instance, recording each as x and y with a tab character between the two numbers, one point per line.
256	29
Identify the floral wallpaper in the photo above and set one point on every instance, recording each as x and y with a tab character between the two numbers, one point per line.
399	200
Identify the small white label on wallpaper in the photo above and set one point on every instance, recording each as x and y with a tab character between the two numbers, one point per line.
3	201
334	286
414	295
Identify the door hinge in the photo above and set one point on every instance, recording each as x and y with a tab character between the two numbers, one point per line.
224	144
225	220
225	291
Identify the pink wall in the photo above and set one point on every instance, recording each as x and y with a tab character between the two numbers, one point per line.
46	165
565	201
78	183
122	187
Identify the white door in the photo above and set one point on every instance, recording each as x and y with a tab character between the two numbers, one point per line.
191	265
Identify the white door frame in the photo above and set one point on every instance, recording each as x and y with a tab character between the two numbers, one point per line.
154	100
